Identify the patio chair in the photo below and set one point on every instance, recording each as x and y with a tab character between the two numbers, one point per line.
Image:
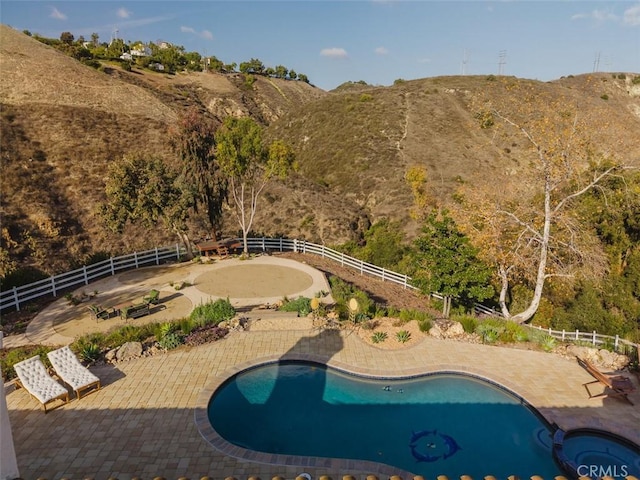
72	372
153	298
615	385
34	378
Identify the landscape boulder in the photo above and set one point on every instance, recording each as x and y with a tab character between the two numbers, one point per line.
446	329
601	358
129	351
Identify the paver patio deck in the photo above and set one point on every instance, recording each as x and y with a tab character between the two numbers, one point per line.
142	422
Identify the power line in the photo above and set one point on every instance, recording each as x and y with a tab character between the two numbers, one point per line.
502	61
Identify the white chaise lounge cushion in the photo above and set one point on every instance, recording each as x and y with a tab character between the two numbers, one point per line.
36	380
71	371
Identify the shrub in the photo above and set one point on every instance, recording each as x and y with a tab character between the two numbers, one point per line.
489	332
302	305
604	96
171	340
425	324
90	352
469	322
370	324
636	80
8	358
212	313
366	97
379	337
128	333
403	336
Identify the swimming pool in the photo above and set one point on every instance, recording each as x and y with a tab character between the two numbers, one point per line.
430	425
595	453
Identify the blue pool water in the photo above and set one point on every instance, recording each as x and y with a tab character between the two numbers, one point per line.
430	425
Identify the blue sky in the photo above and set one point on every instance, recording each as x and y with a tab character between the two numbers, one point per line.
377	41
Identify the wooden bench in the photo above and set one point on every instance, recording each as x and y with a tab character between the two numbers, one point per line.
135	311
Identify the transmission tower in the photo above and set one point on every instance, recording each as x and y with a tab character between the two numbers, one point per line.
465	60
596	63
502	61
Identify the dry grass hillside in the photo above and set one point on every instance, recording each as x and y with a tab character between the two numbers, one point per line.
63	123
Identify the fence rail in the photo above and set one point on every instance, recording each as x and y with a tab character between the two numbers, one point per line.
17	296
594	339
83	276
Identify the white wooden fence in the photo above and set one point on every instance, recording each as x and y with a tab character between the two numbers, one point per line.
82	276
594	339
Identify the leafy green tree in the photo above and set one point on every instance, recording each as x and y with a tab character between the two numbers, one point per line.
303	78
143	189
193	61
445	262
252	66
292	75
214	64
67	38
281	71
95	39
250	166
383	245
193	142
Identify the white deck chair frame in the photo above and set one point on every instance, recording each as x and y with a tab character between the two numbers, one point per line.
34	378
72	372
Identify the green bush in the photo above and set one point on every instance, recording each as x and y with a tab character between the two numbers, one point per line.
489	332
302	305
8	358
171	340
636	80
469	322
604	96
425	324
212	313
128	333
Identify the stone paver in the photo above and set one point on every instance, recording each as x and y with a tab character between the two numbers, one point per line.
147	420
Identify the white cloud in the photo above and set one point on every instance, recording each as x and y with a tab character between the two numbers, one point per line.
381	51
123	13
57	14
206	34
597	15
334	52
632	16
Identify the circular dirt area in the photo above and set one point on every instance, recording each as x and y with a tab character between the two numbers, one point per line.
252	281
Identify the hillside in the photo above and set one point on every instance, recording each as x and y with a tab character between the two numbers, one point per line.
63	123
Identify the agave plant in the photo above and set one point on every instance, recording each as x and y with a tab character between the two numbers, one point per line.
403	336
379	337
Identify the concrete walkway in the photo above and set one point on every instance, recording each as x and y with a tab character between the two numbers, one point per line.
147	420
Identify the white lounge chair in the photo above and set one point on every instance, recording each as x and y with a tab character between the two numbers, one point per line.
34	378
72	372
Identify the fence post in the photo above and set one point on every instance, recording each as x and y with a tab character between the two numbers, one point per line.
295	245
135	258
84	273
342	259
53	285
15	299
563	334
615	343
177	252
157	257
304	246
263	245
593	341
113	269
280	244
383	274
577	337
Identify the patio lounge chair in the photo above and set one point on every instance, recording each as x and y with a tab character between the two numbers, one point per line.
615	385
34	378
72	372
153	298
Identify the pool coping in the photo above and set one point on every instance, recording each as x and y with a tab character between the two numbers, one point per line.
209	434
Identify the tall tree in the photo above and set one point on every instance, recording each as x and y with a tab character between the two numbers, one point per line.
249	166
445	262
143	189
528	227
193	141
